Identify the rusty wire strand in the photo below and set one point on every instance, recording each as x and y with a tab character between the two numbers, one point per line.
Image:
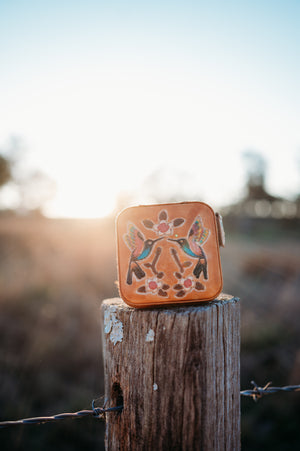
98	412
258	392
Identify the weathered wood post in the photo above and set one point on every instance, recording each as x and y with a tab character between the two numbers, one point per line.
176	371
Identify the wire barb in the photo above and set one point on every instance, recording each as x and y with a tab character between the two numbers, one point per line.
258	392
97	412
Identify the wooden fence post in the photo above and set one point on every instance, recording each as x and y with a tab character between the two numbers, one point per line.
176	372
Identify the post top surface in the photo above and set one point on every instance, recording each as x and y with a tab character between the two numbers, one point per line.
222	299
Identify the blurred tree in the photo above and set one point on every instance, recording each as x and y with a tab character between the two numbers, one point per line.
30	190
256	174
255	169
10	154
5	170
35	189
298	167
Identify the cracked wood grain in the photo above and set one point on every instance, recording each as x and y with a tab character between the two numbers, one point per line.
181	390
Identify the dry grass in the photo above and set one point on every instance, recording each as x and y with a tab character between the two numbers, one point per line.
53	277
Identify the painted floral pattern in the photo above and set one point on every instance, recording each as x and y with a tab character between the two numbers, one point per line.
149	272
186	284
163	226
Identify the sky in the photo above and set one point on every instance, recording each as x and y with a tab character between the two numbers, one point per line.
103	95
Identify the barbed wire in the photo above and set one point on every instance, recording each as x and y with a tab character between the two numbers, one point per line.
98	412
258	392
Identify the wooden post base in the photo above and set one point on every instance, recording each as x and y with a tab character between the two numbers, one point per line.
176	372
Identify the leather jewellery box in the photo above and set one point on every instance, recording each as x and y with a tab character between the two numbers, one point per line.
169	254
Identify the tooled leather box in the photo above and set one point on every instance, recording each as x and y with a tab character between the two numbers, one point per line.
169	254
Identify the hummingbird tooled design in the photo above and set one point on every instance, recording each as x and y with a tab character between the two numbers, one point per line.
140	249
191	245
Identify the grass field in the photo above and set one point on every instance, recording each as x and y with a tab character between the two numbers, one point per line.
54	275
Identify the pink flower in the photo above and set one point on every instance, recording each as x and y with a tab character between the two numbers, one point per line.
153	285
163	228
188	283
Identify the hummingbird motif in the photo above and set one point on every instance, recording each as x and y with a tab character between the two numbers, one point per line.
140	249
191	245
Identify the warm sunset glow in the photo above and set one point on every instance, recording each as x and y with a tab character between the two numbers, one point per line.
102	98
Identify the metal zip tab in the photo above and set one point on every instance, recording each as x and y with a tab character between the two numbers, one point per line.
221	231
